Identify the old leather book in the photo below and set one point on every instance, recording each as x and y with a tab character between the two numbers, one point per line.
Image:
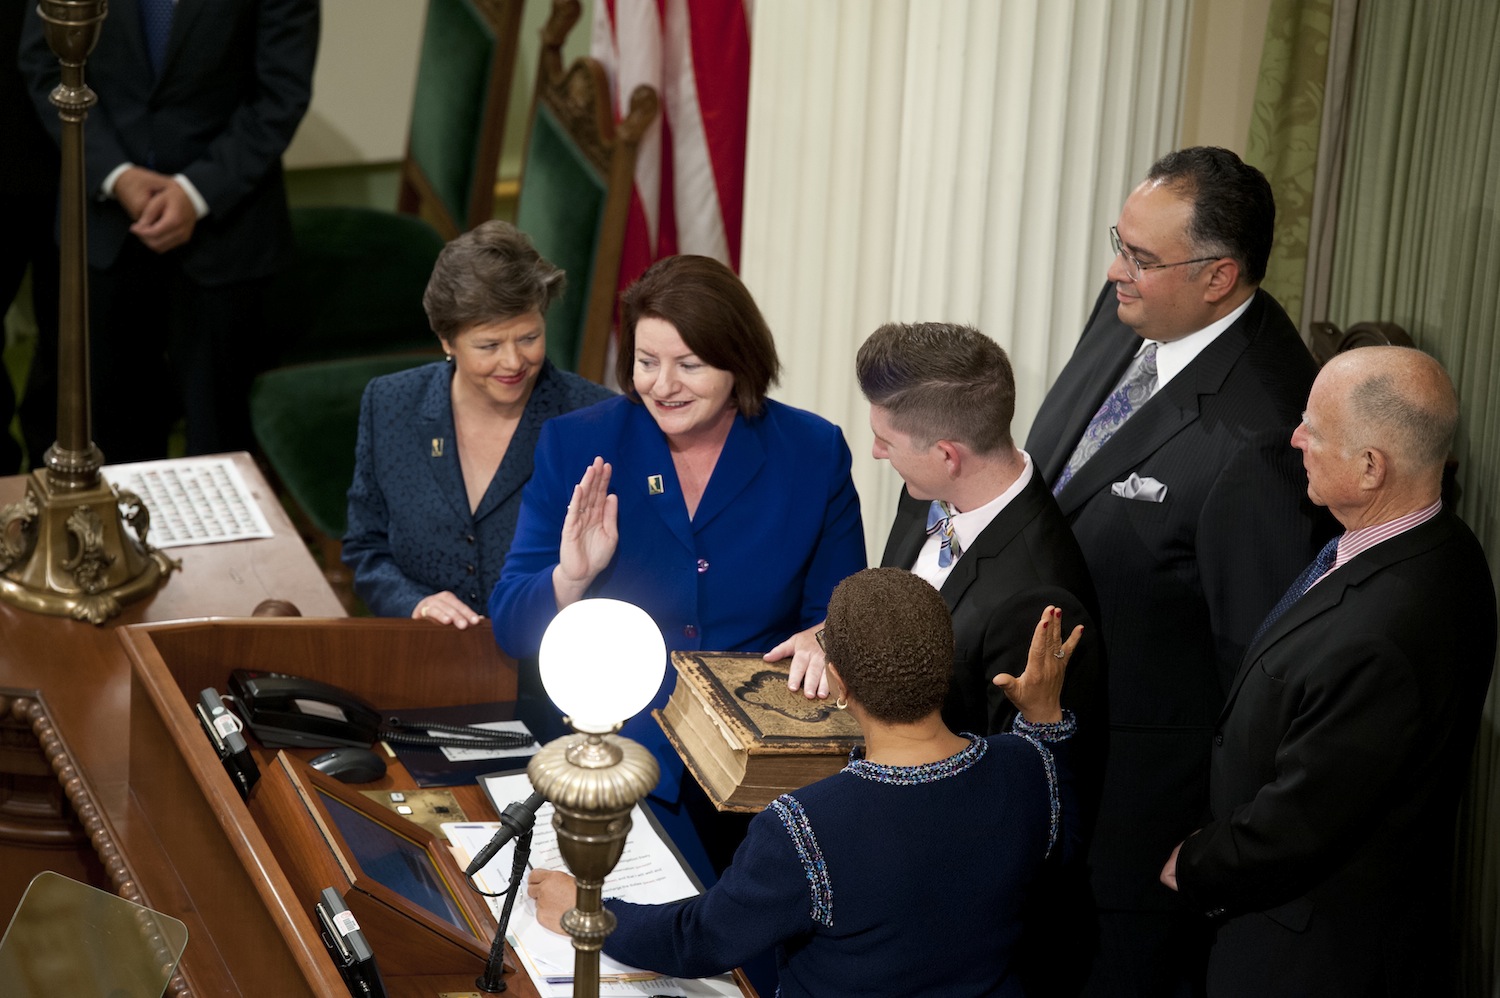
744	736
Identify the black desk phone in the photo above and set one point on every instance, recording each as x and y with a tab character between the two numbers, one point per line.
284	710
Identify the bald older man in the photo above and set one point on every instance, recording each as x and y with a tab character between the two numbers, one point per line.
1340	757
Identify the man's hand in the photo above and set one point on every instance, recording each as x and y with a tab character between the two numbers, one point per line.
135	187
168	219
808	672
1169	871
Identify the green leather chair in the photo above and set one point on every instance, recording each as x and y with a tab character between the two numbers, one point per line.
575	192
306	420
464	76
350	307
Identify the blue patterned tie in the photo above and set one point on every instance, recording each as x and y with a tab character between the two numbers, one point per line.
1135	389
156	24
940	520
1312	573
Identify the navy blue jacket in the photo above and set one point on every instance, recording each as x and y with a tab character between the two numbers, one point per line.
880	880
411	533
235	83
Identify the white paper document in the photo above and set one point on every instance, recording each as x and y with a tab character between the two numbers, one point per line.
200	500
648	873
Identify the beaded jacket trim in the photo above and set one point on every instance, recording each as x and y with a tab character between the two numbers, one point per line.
1036	734
928	772
799	828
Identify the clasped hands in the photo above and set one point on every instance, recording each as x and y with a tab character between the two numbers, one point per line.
164	217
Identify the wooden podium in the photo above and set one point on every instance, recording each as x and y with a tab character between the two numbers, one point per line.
250	920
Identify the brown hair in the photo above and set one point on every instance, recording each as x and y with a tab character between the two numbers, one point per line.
940	381
716	318
489	274
889	636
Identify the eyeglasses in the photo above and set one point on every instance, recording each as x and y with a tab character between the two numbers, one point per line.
1134	268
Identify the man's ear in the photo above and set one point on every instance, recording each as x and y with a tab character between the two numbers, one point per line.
1375	465
1223	278
953	456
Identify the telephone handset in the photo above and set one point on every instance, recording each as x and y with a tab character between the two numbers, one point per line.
284	710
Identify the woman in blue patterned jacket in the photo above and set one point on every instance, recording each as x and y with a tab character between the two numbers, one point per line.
444	448
906	873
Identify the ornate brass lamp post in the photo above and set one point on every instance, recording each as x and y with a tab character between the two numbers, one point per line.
64	548
601	662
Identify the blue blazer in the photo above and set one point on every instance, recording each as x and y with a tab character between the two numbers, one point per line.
411	533
777	528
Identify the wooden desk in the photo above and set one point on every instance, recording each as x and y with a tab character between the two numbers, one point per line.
193	837
95	721
65	695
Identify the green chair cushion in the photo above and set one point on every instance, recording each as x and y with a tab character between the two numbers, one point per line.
355	287
306	419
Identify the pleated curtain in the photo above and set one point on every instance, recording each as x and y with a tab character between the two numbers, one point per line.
954	160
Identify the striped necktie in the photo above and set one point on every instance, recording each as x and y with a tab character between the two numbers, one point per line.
940	521
1312	573
1133	392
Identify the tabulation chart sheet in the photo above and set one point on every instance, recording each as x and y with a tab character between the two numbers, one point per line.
192	500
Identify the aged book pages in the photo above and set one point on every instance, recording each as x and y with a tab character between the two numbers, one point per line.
744	736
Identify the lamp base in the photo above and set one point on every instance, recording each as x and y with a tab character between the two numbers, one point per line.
65	551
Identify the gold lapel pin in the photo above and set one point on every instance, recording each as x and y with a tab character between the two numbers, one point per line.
654	486
437	446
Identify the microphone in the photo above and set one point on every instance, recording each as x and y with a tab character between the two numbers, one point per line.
517	817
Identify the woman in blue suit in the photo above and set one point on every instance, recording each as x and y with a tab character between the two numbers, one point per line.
726	516
444	448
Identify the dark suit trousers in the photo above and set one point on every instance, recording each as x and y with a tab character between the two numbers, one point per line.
164	347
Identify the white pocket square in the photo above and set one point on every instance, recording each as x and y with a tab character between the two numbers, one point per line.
1136	487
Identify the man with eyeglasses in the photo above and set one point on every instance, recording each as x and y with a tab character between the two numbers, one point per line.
1164	441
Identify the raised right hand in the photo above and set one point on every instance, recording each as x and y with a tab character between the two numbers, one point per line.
1037	691
590	535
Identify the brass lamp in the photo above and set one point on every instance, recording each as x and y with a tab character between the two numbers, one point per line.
601	661
64	548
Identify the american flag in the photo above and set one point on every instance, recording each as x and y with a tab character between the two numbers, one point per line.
690	170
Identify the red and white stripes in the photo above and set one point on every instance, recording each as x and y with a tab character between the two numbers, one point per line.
690	170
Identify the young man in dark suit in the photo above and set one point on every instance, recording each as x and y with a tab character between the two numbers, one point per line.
186	208
1340	758
1164	442
978	522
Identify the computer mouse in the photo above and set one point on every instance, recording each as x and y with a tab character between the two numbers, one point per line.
349	764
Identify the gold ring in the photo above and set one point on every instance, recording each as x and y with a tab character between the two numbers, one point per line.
423	612
1058	654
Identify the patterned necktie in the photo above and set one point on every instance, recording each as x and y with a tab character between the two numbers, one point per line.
1136	387
156	24
940	520
1312	573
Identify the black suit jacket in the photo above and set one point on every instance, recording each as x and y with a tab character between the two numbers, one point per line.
1026	559
236	81
1337	768
1182	583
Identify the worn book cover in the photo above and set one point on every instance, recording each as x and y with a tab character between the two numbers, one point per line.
744	736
